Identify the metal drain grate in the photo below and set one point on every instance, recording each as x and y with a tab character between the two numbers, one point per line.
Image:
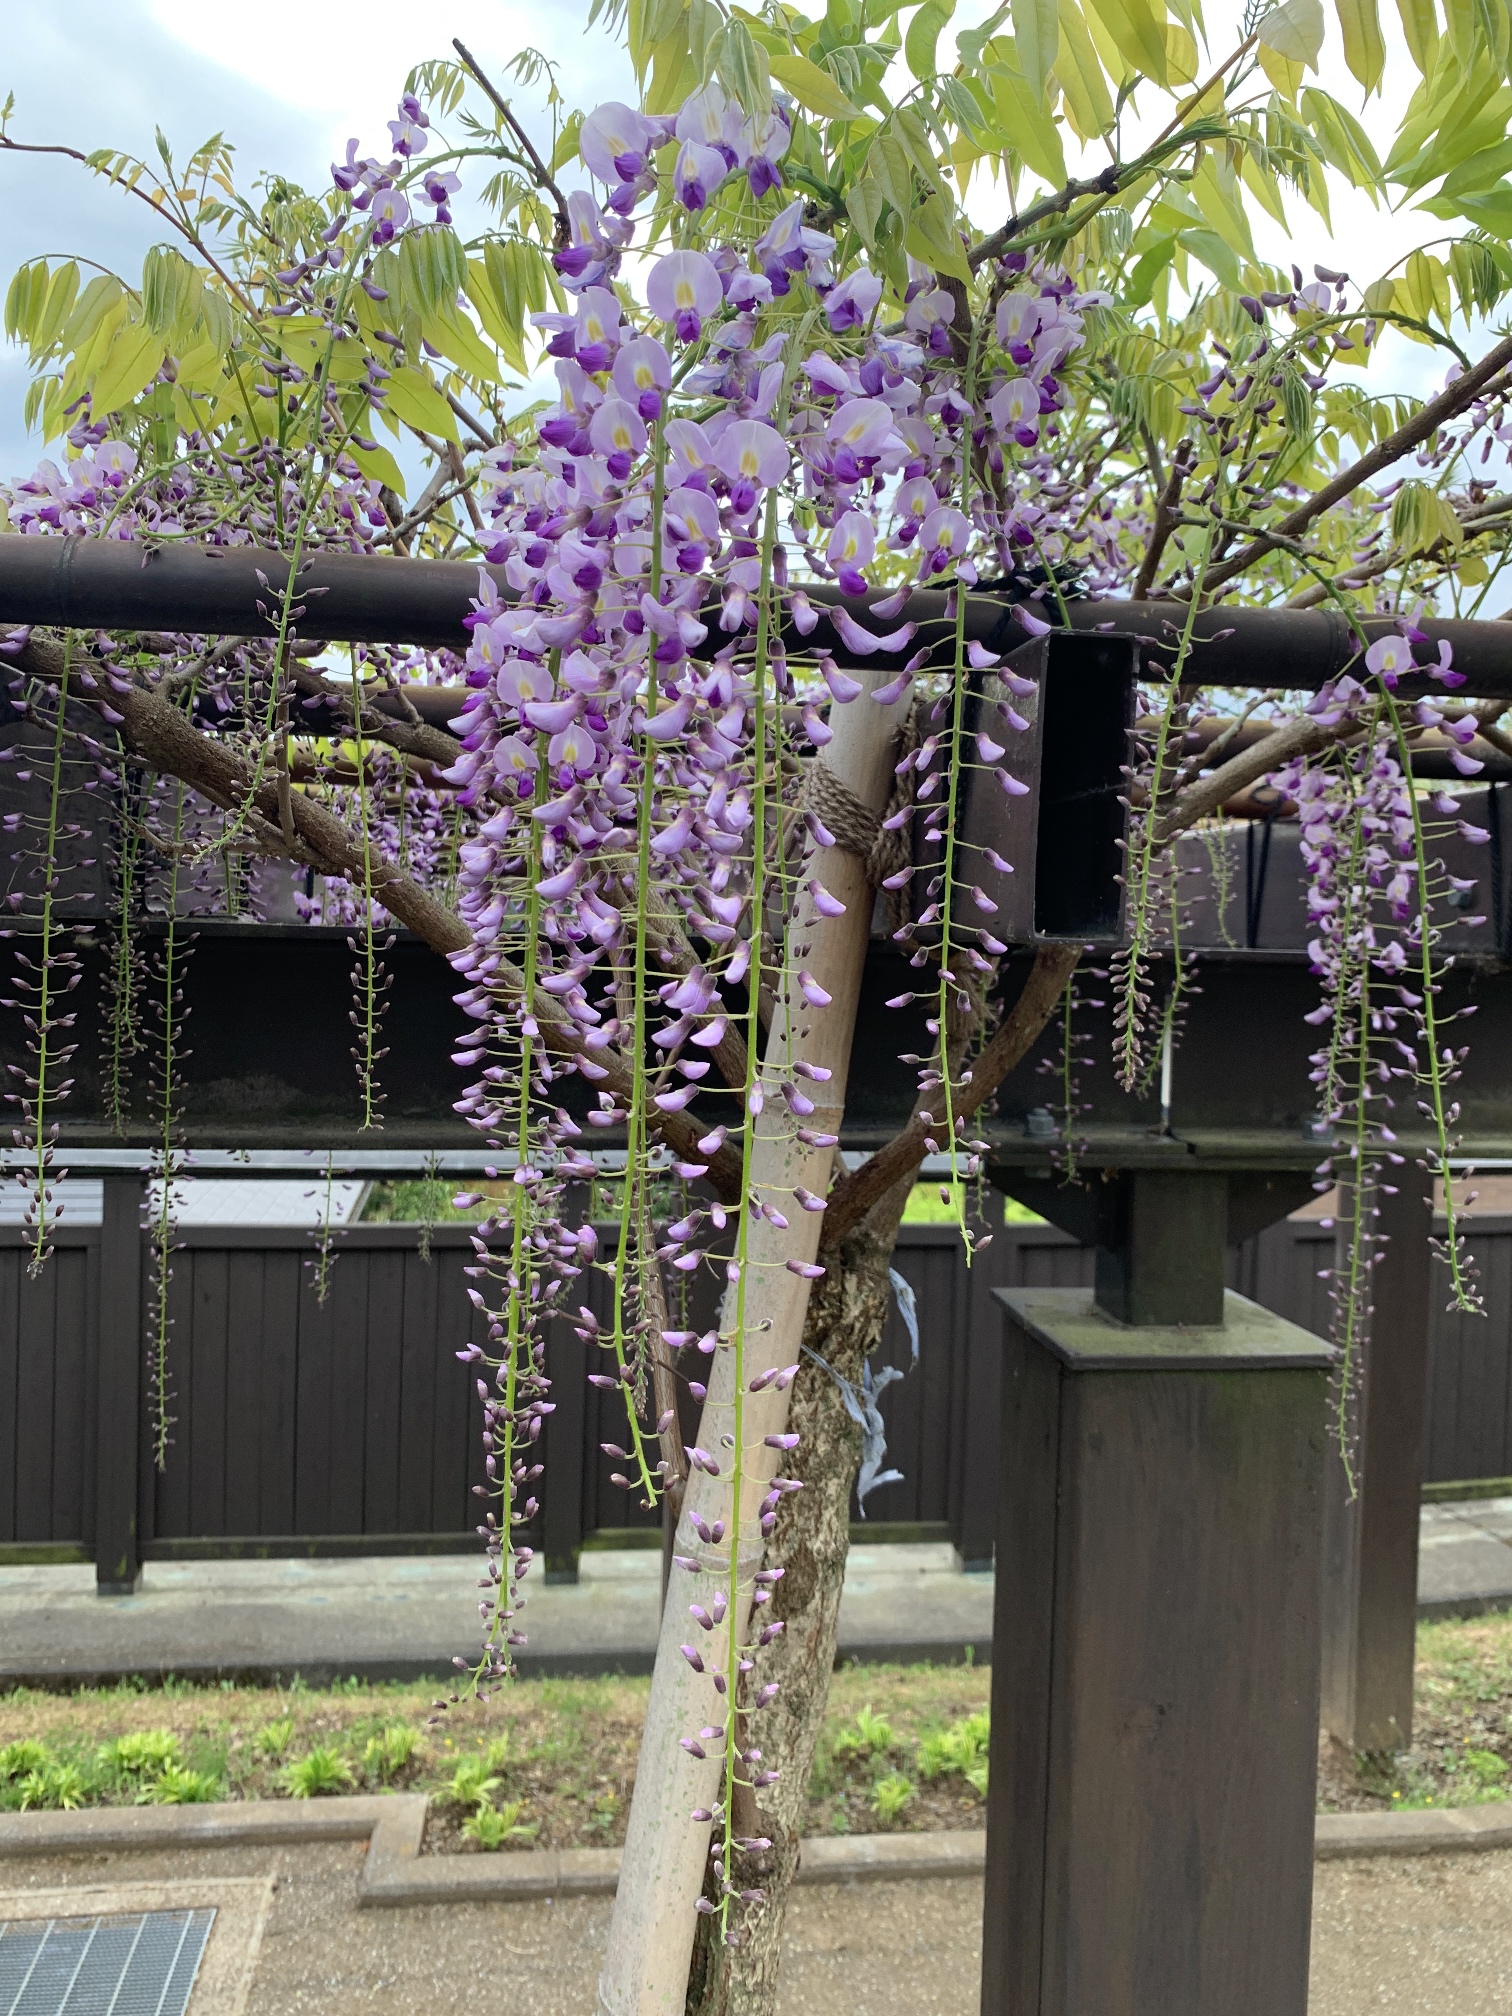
142	1963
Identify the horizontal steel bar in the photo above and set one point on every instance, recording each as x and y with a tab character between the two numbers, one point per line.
121	585
269	1067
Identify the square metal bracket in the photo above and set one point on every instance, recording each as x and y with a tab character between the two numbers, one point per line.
1064	837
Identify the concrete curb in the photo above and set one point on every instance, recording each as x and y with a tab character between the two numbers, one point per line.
396	1873
1451	1609
1430	1832
66	1675
224	1824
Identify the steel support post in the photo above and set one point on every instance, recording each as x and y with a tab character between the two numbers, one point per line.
1162	1238
1375	1480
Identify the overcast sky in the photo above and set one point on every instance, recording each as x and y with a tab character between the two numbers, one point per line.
289	80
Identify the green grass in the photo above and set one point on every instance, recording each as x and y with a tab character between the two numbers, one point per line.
319	1773
1461	1752
868	1736
936	1203
555	1756
491	1826
472	1783
891	1794
143	1766
901	1747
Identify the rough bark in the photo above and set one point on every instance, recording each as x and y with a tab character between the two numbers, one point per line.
812	1539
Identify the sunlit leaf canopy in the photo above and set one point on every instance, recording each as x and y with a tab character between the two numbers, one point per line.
1137	146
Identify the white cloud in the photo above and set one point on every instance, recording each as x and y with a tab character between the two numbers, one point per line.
291	80
286	84
345	67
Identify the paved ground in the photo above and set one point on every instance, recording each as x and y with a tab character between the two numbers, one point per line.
1429	1935
1465	1557
401	1617
398	1617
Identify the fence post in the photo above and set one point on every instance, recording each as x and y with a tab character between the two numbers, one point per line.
118	1429
1371	1534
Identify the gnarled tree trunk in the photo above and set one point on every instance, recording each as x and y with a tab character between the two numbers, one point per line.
846	1312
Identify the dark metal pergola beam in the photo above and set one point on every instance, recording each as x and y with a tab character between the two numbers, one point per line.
123	586
269	1063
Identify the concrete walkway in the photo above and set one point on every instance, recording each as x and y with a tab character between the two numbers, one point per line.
405	1617
1465	1558
1430	1935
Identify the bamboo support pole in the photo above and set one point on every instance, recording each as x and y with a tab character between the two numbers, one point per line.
662	1870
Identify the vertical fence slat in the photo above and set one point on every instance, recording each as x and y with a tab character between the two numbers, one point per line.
563	1454
10	1394
315	1423
35	1387
385	1358
167	1490
279	1390
454	1453
249	1345
351	1305
423	1362
204	1415
70	1316
117	1530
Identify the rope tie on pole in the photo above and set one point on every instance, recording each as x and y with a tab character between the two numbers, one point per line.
883	844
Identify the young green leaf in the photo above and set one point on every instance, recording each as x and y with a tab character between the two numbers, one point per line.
924	31
432	269
1420	26
1036	32
891	171
1084	87
1137	30
1364	46
742	66
934	238
454	336
412	397
1026	118
1283	74
815	89
1294	30
864	207
134	360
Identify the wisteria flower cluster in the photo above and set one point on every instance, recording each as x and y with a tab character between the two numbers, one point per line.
731	422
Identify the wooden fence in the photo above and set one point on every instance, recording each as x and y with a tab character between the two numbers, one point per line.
349	1425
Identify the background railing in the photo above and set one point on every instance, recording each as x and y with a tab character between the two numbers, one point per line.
350	1426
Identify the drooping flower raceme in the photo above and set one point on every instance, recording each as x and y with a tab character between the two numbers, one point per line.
731	420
